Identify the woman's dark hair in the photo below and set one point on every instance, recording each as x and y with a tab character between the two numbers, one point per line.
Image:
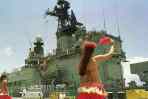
3	76
86	55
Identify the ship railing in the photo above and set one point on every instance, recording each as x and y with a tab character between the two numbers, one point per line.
66	52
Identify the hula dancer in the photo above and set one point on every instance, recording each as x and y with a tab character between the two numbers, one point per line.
3	85
4	88
90	84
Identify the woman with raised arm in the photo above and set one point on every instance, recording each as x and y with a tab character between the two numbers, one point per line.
90	83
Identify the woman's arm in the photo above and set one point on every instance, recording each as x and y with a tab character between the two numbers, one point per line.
107	55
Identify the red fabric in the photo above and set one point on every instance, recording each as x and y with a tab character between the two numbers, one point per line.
90	96
90	45
5	97
83	95
105	41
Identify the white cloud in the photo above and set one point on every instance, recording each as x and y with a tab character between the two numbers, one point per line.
8	51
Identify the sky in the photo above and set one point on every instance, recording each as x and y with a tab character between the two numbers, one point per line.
22	20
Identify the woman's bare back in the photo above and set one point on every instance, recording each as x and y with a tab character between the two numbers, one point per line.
91	74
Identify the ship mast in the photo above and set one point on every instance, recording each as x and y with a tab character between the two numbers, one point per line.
67	25
66	22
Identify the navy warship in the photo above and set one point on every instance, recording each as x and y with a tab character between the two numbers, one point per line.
56	72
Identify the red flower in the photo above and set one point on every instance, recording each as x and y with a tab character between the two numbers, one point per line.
105	41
